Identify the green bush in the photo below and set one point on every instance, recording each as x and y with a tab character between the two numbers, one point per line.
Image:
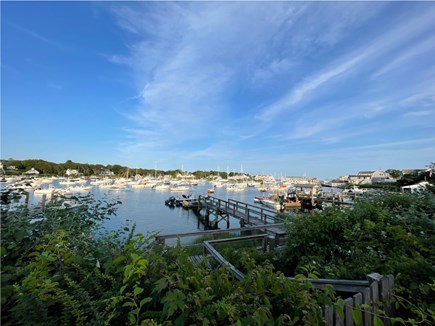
387	233
64	270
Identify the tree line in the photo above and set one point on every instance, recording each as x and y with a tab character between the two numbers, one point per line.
86	169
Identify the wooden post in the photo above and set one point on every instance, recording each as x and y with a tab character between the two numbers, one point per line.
26	200
386	290
348	304
329	316
264	244
357	301
374	292
367	317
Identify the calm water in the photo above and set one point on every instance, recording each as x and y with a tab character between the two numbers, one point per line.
146	208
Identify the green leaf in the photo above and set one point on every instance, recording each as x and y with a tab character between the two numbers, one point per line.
132	319
137	291
129	304
161	285
119	259
357	316
378	321
143	301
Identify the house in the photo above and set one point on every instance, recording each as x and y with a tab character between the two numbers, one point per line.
369	177
70	172
264	178
300	180
32	171
105	171
415	188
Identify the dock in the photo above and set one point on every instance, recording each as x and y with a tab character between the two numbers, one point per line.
216	210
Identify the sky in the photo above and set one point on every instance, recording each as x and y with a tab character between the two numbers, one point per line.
320	89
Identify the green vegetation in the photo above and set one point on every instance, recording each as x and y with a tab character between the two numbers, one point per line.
389	233
58	169
56	271
64	269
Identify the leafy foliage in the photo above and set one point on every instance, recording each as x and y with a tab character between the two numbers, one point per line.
60	270
387	233
63	269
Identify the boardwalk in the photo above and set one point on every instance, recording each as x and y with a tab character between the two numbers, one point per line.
246	213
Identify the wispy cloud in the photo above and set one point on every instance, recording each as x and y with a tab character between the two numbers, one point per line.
215	77
298	93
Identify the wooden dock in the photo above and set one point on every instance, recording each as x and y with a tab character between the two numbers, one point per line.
247	214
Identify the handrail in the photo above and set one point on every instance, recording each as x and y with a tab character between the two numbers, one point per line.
235	206
158	238
208	247
350	286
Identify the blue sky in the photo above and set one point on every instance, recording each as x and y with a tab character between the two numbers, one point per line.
288	88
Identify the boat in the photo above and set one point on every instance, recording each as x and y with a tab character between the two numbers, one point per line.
271	203
161	186
79	189
45	191
179	188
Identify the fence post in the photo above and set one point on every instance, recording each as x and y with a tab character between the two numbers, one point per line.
367	317
264	243
329	316
348	305
374	292
386	286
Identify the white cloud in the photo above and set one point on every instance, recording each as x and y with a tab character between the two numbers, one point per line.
204	72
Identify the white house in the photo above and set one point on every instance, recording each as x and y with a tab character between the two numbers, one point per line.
32	171
70	172
369	177
105	171
415	188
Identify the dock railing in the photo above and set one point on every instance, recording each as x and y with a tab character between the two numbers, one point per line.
278	238
250	213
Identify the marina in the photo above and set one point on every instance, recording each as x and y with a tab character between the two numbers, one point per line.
143	201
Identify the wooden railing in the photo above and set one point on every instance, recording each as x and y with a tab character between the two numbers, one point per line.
250	213
162	238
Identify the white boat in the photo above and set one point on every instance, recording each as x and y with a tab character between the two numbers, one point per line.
161	186
79	189
179	188
138	185
270	203
42	191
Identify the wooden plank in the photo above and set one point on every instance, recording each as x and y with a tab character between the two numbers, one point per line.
385	294
357	301
249	237
338	320
209	232
374	293
367	316
329	316
352	286
348	305
222	261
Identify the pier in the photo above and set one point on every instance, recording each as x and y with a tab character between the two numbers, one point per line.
216	210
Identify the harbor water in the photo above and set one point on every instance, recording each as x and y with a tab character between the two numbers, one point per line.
147	210
145	207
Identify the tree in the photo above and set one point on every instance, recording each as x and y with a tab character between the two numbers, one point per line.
396	174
